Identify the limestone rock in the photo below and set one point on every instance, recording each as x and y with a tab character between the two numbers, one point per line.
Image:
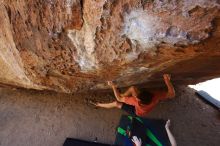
77	45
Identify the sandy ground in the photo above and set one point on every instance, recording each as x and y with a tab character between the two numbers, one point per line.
33	118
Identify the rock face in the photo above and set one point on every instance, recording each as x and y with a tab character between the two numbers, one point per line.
77	45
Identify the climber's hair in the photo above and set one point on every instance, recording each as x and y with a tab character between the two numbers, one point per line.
145	97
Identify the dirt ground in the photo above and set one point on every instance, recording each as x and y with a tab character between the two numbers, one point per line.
33	118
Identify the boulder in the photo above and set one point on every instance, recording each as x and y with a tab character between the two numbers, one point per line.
77	45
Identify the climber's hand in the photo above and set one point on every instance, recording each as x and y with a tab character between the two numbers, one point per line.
167	126
110	83
167	77
136	141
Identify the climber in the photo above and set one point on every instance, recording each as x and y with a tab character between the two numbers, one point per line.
136	102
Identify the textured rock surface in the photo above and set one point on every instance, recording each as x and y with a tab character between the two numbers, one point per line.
76	45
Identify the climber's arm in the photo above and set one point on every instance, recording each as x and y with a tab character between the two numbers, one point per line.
165	94
116	92
171	91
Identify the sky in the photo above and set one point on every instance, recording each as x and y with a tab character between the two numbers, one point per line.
212	87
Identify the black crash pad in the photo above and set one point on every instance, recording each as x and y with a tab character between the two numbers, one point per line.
77	142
